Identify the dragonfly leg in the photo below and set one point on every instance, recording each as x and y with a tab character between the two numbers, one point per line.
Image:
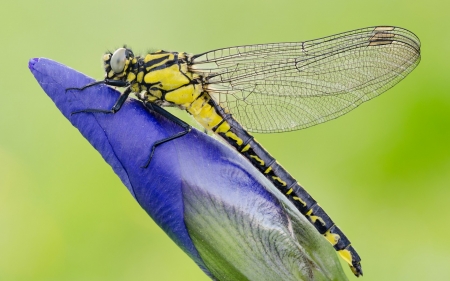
181	123
116	83
116	107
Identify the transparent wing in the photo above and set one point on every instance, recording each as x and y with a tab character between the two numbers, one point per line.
289	86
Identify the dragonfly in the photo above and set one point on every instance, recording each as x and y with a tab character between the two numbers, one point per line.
268	88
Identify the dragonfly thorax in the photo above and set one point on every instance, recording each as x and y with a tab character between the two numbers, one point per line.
161	77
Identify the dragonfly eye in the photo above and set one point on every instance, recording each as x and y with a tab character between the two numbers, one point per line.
118	60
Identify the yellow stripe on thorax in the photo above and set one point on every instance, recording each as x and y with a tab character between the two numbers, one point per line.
150	57
172	80
169	77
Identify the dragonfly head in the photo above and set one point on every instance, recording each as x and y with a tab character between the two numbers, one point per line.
119	65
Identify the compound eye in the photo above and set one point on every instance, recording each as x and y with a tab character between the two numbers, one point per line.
118	60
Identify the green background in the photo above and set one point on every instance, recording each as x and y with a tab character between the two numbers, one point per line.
382	171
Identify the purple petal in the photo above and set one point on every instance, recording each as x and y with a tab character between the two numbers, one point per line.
209	199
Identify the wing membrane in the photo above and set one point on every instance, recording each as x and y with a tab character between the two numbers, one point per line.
289	86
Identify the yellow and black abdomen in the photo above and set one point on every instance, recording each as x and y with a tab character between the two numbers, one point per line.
231	131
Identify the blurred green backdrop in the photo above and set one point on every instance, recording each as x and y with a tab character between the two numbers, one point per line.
381	171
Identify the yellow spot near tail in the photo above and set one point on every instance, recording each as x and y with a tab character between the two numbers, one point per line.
346	255
333	238
268	170
289	191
